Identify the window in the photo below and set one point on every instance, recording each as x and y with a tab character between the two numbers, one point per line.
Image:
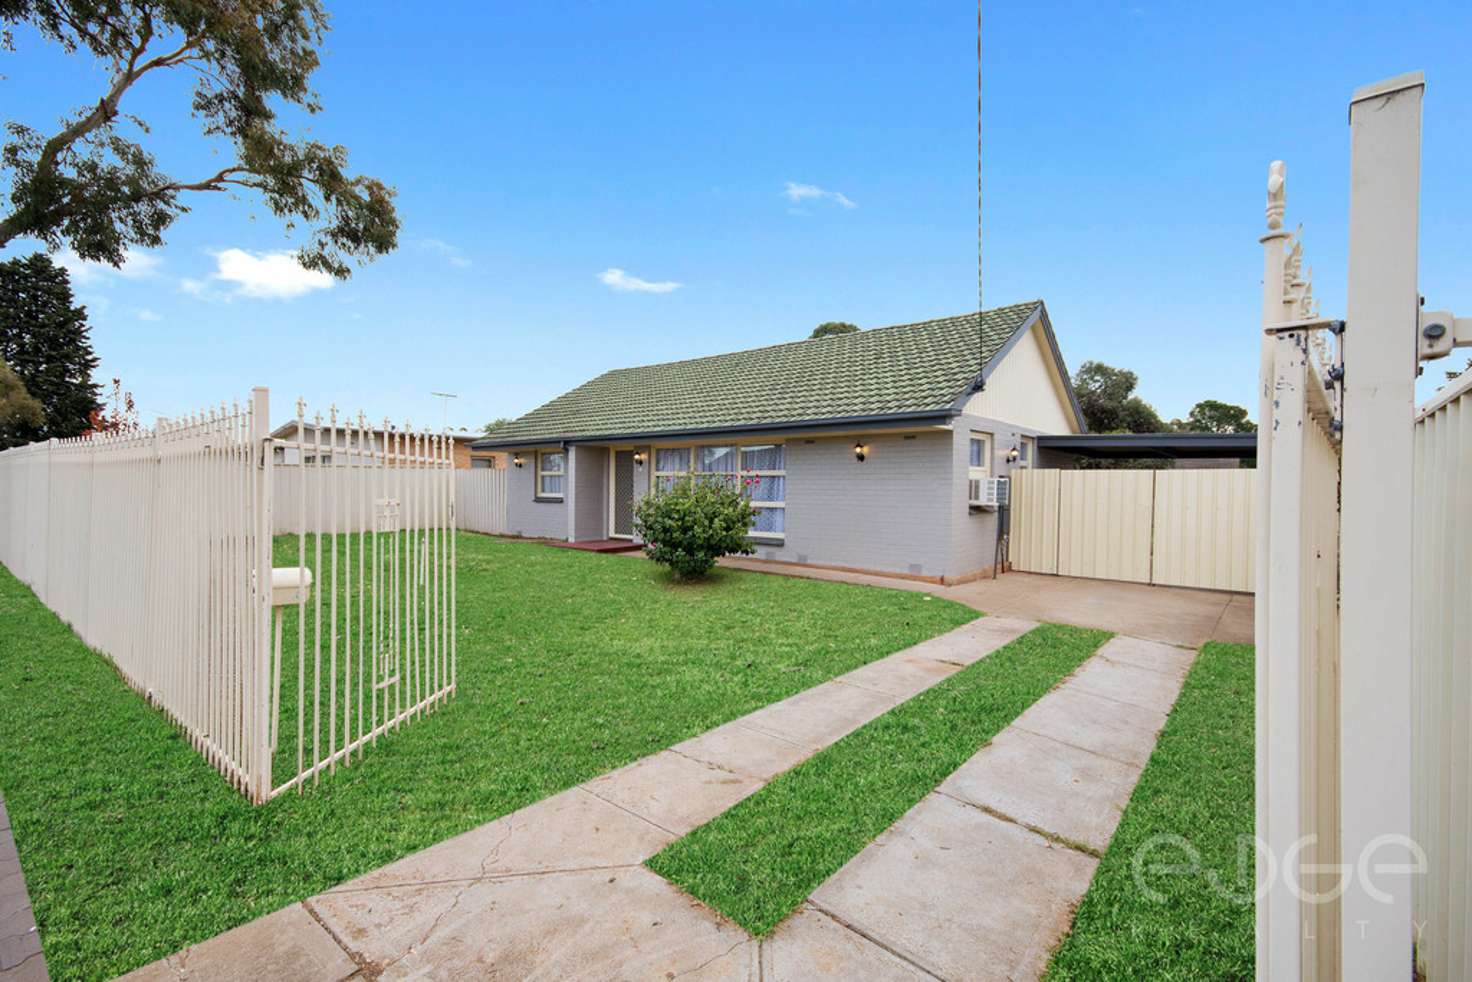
482	463
979	465
758	470
764	482
551	470
1026	451
670	465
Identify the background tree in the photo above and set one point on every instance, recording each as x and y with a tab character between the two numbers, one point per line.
120	415
20	413
92	186
44	338
1211	416
828	329
495	425
1106	396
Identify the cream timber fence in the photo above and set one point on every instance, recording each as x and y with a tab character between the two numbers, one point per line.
480	495
157	547
1169	528
480	499
1442	680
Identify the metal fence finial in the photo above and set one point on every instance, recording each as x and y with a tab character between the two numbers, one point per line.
1277	194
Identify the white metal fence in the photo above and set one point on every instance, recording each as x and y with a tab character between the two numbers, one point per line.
1442	680
480	499
1363	683
157	548
1171	528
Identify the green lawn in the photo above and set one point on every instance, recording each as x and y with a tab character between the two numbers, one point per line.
1197	789
759	860
570	665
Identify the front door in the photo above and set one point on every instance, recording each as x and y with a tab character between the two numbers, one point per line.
623	494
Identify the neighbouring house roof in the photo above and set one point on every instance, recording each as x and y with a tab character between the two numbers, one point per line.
288	431
886	373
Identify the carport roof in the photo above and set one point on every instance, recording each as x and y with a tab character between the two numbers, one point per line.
1173	446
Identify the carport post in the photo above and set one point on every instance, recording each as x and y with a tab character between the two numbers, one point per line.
1377	501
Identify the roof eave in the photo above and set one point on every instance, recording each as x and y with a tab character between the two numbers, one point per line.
939	415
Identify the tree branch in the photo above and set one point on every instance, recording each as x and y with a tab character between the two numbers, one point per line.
107	107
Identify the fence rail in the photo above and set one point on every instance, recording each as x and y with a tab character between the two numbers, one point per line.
157	547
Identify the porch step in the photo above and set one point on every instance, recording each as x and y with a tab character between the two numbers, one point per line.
600	545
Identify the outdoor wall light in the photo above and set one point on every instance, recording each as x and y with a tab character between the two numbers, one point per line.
638	458
860	452
516	460
1013	454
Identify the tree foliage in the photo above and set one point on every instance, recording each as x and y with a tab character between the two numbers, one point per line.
1211	416
495	424
44	338
690	526
1106	396
829	329
90	184
20	412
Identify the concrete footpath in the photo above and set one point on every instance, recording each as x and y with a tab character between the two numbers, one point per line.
979	880
20	946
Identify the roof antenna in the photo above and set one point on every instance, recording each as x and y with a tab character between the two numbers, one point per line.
980	332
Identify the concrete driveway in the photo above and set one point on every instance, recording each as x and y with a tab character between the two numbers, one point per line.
1174	615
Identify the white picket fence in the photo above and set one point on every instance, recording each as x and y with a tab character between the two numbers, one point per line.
156	547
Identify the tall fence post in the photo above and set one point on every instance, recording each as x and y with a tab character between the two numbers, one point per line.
261	456
1277	773
1376	550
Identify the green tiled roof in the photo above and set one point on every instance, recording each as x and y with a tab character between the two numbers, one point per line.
909	368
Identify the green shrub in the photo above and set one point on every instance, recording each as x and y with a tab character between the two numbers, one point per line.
690	526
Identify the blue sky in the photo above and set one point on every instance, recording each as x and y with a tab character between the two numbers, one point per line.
535	147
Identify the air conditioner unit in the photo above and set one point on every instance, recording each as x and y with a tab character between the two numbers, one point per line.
988	492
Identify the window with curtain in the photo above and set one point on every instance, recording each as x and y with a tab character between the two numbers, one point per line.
758	471
551	473
671	464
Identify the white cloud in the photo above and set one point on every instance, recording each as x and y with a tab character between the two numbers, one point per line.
146	314
260	275
618	279
451	253
798	193
84	272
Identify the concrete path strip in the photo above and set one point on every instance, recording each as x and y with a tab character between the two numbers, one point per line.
981	878
21	959
556	890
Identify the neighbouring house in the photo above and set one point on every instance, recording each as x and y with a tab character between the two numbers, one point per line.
466	457
865	451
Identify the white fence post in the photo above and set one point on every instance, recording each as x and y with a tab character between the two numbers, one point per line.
1378	500
261	705
1277	910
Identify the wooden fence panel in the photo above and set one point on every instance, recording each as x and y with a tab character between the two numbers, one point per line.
1104	524
1034	536
480	500
1441	675
1204	529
